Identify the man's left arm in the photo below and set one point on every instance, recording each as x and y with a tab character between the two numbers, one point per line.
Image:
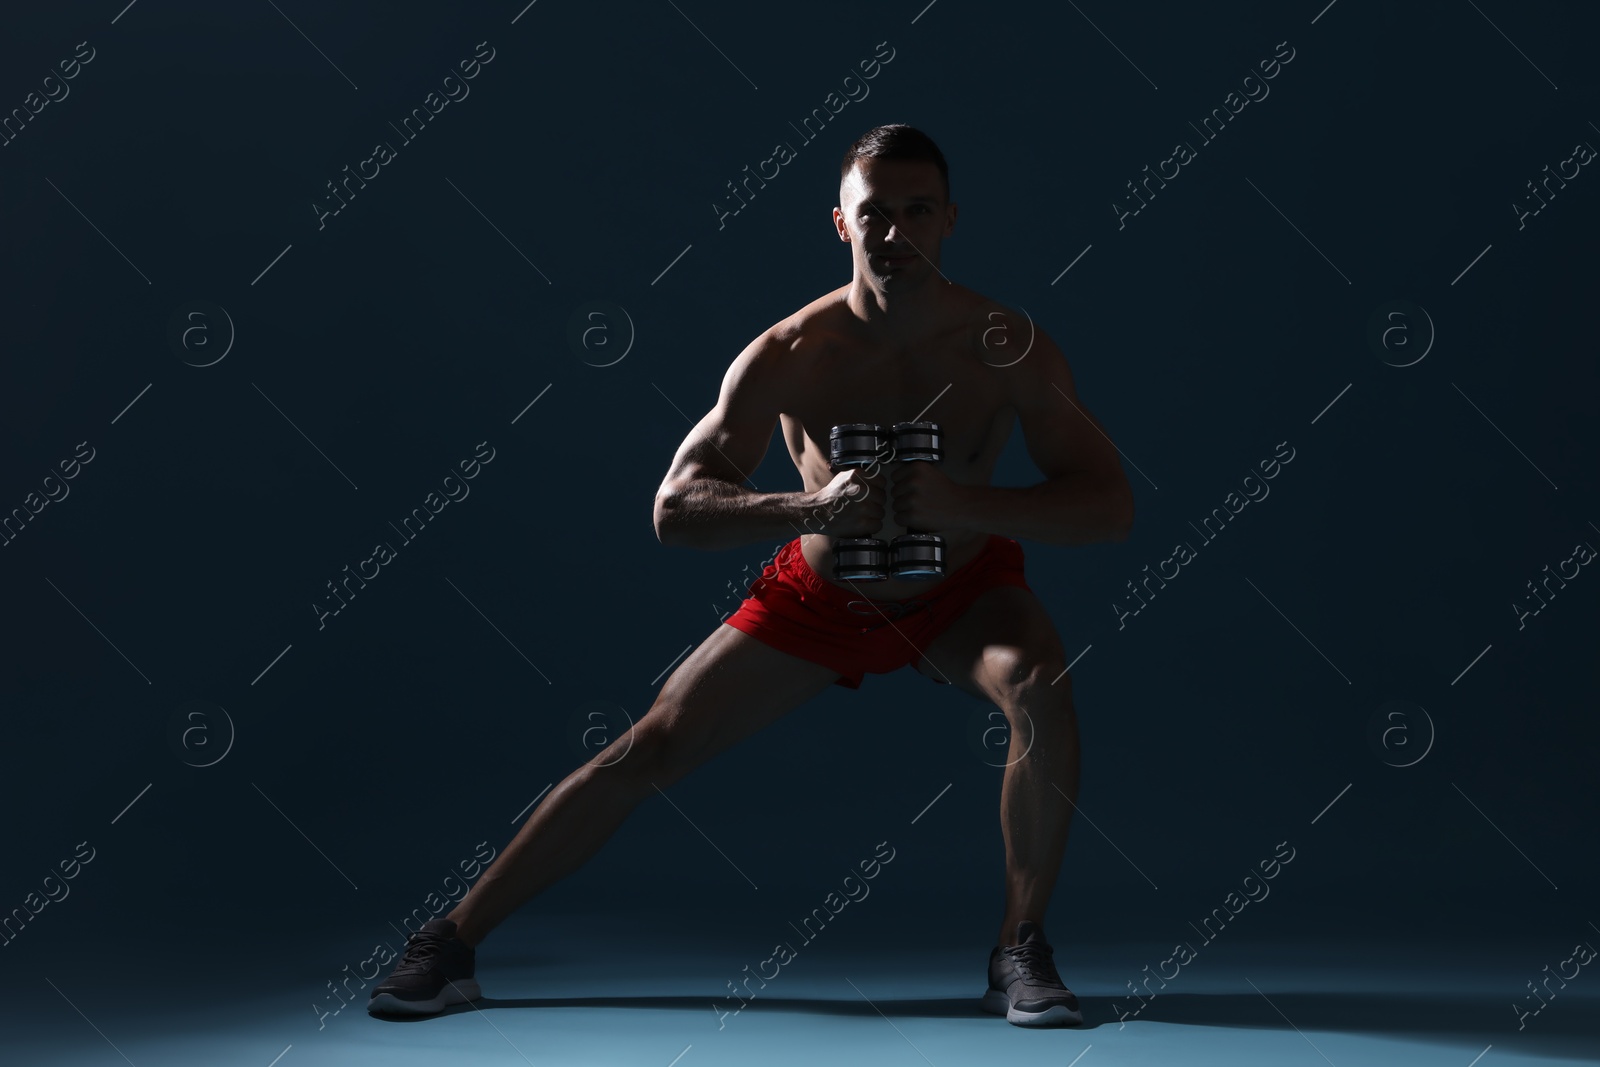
1085	497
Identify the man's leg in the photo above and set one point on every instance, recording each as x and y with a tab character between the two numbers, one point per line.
1004	649
728	688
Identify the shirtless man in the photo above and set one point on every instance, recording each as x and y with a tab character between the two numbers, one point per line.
899	343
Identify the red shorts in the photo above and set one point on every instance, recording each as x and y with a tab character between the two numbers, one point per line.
793	609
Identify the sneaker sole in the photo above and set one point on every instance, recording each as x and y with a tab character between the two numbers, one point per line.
459	992
996	1002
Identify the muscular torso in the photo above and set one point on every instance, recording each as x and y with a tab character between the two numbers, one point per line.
843	375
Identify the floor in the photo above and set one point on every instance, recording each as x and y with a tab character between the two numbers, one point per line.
609	989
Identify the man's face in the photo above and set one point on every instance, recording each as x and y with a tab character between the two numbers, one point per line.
894	214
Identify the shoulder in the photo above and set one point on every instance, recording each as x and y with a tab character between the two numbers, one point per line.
810	333
784	356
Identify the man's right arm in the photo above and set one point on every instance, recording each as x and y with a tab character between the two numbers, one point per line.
702	502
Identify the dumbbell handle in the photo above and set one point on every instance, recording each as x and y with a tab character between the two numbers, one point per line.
918	459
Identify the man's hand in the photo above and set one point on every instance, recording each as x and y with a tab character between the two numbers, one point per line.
926	499
852	505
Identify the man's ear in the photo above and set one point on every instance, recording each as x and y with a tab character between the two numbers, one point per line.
840	225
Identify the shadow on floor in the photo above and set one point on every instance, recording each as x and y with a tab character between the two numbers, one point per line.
1472	1021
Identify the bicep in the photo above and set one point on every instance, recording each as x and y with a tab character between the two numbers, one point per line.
730	441
1061	435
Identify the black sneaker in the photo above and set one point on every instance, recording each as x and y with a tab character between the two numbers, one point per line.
434	972
1024	985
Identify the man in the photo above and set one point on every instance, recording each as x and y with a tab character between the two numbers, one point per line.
900	342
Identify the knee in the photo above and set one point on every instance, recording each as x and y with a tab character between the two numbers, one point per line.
1034	681
648	756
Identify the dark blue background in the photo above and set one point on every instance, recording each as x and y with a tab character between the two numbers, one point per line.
408	330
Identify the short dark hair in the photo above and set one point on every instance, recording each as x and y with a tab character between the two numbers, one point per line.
896	141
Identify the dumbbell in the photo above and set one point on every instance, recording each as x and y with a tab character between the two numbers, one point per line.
858	444
912	555
917	554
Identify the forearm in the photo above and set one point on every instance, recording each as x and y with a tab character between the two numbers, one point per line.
713	514
1071	510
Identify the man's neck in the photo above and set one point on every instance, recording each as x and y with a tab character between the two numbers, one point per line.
898	312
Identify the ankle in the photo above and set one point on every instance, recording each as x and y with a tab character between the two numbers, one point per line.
1008	929
466	931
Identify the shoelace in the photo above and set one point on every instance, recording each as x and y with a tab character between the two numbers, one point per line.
419	953
1033	959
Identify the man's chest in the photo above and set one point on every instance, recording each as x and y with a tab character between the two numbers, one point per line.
950	388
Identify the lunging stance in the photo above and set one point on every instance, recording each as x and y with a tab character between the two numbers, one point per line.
896	394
